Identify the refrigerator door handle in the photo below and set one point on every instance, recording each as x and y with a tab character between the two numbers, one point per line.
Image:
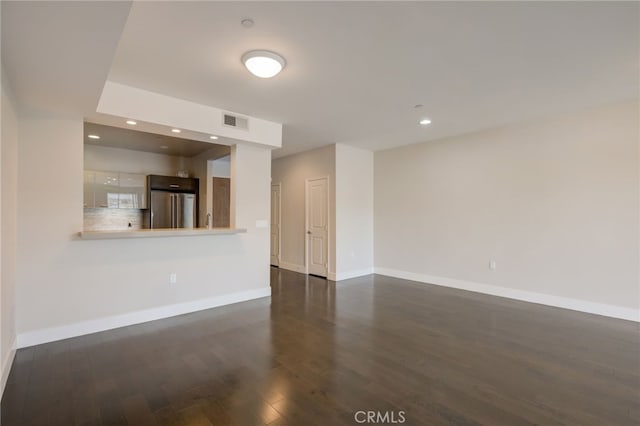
178	210
176	202
173	210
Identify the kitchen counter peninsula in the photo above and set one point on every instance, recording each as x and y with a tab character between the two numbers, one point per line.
156	233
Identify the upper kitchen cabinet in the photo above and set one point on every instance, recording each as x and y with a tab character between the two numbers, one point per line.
133	192
106	190
114	190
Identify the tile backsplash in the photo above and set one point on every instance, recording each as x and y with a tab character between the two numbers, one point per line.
101	219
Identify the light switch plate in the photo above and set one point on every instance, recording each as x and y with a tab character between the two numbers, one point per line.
262	223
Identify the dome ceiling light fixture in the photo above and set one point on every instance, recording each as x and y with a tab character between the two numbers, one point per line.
263	63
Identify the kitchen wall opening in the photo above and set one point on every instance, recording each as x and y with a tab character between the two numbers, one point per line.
138	180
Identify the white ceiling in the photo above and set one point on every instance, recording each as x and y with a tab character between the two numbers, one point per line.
57	55
356	69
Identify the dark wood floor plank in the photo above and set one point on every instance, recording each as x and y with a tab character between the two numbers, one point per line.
137	411
317	352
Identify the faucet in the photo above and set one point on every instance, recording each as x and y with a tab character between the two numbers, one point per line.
209	221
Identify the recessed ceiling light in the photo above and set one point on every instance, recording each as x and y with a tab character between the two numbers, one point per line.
131	122
263	63
213	137
425	121
247	23
164	147
94	137
176	130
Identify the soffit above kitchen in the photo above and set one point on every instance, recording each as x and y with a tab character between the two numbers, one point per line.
355	70
117	137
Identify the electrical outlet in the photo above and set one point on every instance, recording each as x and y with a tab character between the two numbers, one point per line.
492	265
173	278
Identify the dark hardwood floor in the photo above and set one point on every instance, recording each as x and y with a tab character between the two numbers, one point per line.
318	352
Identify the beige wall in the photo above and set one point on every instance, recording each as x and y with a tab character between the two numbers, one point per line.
350	172
8	217
292	171
354	211
554	203
63	282
220	167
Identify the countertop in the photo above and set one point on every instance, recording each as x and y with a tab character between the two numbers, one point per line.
155	233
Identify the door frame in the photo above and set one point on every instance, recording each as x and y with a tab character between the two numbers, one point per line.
279	185
306	223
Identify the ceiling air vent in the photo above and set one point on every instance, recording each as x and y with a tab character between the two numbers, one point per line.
235	121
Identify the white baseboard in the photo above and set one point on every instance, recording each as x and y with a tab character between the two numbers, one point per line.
332	276
353	274
6	367
52	334
543	299
293	267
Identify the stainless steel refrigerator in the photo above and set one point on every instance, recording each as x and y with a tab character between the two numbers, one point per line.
173	202
172	210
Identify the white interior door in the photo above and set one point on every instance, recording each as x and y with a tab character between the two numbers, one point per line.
275	224
317	211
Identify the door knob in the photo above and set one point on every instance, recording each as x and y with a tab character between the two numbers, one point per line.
309	232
